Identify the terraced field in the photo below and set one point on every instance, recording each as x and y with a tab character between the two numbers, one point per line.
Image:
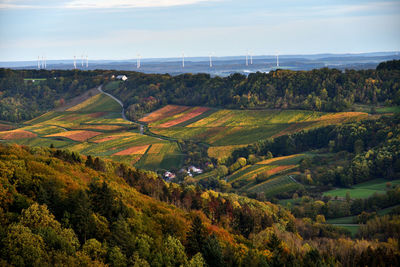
271	177
95	127
224	128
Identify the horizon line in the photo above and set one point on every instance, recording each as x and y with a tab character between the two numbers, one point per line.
214	56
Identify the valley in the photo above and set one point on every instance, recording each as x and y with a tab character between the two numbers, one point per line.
301	174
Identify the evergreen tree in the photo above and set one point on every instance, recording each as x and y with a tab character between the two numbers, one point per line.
196	237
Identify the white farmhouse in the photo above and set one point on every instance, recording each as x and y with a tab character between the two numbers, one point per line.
122	77
195	170
169	175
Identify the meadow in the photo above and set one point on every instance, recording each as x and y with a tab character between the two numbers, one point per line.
362	190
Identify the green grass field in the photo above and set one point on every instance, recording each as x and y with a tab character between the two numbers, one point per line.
379	109
363	190
167	157
352	228
350	219
112	85
97	103
342	220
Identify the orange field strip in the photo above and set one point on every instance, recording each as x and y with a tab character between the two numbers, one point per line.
163	113
193	113
79	136
132	150
279	169
16	134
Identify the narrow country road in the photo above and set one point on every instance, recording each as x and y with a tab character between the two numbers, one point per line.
141	129
116	99
294	180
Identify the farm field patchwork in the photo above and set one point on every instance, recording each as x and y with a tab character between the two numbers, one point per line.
237	127
95	127
270	177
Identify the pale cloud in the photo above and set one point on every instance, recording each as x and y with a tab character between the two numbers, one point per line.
96	4
129	3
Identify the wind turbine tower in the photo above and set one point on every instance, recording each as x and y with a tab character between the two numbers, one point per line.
210	60
277	60
251	59
247	58
138	61
75	62
87	61
183	59
45	62
38	62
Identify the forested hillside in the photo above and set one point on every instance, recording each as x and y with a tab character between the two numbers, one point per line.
319	90
28	94
59	208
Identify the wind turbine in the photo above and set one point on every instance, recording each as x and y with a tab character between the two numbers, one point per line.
251	58
82	60
138	61
277	59
38	62
45	62
87	61
210	60
183	59
43	65
75	62
247	58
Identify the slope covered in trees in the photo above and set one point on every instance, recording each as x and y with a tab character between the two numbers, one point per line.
319	90
28	94
59	208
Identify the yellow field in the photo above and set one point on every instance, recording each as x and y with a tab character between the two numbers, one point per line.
222	152
86	103
268	161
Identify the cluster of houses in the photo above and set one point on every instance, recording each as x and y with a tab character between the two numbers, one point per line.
120	77
192	170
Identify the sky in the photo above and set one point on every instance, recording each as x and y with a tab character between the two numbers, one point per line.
122	29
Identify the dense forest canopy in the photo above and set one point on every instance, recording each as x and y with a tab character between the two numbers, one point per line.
59	208
27	94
